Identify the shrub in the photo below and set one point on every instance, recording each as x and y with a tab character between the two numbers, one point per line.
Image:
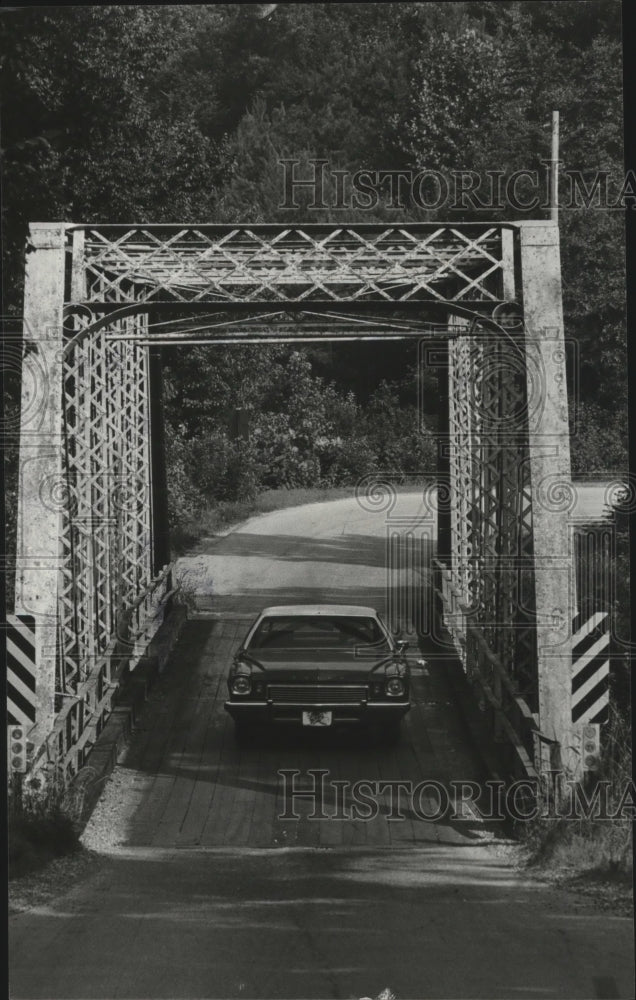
184	499
281	458
395	430
602	846
303	433
209	456
42	823
344	461
600	444
241	480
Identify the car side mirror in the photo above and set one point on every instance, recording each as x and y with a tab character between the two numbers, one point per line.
402	646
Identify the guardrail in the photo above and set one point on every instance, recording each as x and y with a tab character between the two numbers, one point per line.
512	713
513	718
144	616
82	718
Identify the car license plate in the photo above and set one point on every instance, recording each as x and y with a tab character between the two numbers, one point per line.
317	718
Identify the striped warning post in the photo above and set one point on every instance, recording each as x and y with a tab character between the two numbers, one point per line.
21	700
590	668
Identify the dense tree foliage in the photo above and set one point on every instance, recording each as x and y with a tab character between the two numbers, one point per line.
182	113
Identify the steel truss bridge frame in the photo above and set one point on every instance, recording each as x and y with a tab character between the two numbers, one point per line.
101	300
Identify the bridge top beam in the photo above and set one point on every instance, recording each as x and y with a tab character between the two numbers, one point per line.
461	263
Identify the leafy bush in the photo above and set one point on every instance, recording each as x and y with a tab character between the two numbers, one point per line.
303	432
600	443
209	457
241	480
184	499
397	434
343	461
281	454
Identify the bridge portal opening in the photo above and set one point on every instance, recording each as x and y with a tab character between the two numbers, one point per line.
482	302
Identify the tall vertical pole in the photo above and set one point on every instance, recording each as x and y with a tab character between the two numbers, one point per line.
554	169
41	492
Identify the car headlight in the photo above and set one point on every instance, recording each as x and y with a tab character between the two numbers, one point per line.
241	684
395	687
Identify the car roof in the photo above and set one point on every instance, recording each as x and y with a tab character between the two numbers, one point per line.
351	610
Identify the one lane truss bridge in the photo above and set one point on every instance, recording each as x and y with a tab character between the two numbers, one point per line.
101	300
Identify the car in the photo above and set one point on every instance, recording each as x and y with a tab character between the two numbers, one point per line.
317	666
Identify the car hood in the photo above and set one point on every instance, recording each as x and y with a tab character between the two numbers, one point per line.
317	666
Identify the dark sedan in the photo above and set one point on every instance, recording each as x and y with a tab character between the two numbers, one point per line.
319	665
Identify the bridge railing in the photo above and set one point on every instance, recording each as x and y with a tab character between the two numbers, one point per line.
514	722
144	616
84	714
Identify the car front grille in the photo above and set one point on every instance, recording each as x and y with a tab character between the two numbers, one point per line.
312	694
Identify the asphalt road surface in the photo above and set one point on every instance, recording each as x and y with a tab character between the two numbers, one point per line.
202	890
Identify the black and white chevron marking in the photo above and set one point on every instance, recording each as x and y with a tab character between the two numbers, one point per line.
590	668
21	700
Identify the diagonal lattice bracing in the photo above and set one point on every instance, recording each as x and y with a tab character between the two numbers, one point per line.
106	545
490	510
226	264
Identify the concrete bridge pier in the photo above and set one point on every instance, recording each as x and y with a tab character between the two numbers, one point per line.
41	497
551	490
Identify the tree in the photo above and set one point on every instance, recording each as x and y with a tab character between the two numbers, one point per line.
87	135
139	113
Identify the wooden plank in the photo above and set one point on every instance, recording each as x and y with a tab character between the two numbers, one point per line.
378	833
226	764
239	814
147	819
176	789
330	831
354	769
186	770
265	779
401	830
240	798
284	831
198	808
308	833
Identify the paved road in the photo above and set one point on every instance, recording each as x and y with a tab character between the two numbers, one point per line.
202	891
344	551
367	550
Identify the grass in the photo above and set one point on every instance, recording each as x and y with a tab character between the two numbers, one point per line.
224	514
592	848
41	825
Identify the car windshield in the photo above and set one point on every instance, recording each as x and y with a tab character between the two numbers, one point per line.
320	632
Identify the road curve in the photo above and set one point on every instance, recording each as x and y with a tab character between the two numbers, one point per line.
350	551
